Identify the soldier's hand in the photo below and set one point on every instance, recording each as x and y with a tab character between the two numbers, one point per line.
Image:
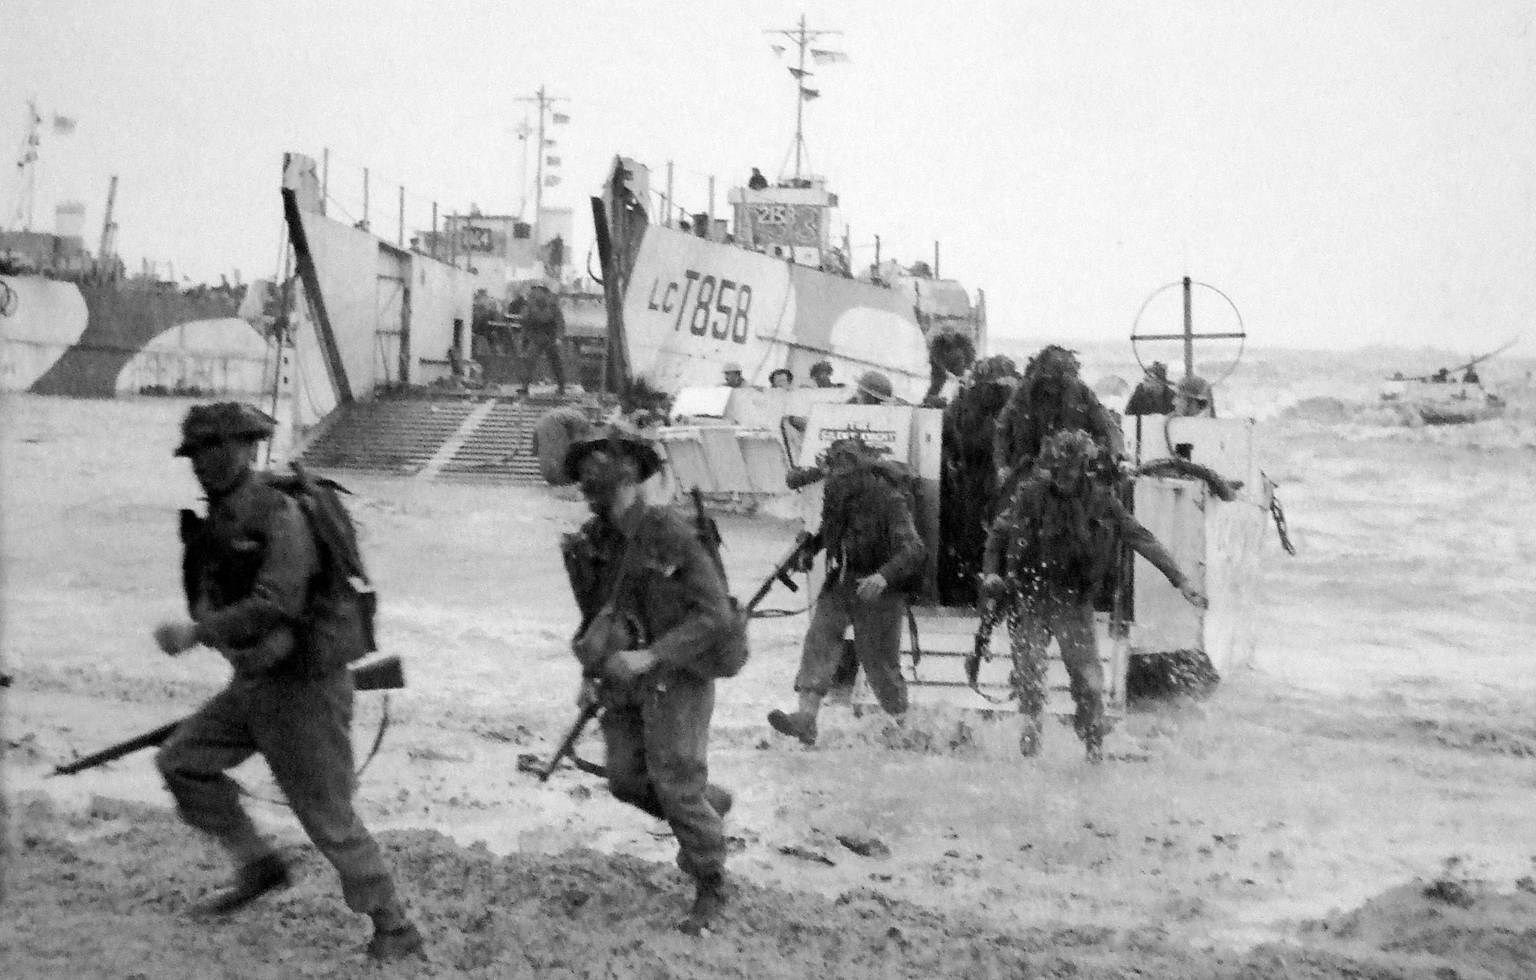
587	696
1194	596
626	666
871	586
174	638
992	585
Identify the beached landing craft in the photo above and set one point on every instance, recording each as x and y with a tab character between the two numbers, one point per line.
78	324
1197	486
1450	396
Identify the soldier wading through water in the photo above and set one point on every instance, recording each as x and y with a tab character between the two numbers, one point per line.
655	615
259	595
1048	551
873	554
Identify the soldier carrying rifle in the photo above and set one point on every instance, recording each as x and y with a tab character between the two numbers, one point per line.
657	628
261	595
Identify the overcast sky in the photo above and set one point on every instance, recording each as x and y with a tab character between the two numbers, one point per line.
1349	172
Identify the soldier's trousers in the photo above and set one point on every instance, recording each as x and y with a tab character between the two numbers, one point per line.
1032	621
535	344
876	640
657	740
302	727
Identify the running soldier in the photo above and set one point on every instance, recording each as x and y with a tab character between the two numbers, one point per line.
654	610
259	595
874	553
1047	553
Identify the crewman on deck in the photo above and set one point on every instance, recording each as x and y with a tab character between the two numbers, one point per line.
732	373
1193	399
1154	395
821	374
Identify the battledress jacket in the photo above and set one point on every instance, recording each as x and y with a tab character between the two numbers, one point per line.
867	528
1038	558
251	565
672	587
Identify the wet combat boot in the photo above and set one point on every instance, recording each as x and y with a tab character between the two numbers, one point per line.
719	798
798	725
708	901
1091	727
394	936
251	881
1029	737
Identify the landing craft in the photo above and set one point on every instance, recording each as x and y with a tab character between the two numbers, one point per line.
767	290
1449	396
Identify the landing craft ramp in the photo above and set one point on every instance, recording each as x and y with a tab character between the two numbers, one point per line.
739	448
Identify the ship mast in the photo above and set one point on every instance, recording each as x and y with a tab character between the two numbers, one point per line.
108	227
26	161
545	102
803	37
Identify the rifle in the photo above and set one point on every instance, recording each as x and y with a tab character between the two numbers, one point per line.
780	573
568	743
384	674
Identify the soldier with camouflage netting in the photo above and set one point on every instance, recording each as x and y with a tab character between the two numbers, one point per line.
968	488
1051	398
1046	554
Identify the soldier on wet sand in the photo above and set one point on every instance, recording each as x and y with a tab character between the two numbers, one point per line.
1046	554
259	595
873	554
654	609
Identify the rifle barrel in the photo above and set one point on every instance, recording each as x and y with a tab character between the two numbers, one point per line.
568	744
118	751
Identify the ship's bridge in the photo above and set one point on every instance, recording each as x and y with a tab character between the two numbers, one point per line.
790	220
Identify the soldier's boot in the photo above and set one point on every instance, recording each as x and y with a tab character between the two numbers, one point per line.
719	798
797	725
1029	737
708	901
1094	742
394	936
251	881
1091	726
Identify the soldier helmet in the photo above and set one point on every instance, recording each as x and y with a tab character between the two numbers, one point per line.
876	385
731	367
206	425
1195	388
616	438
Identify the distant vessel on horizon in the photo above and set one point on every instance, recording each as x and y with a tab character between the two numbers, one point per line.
1449	396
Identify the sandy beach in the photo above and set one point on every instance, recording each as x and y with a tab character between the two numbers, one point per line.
1357	803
